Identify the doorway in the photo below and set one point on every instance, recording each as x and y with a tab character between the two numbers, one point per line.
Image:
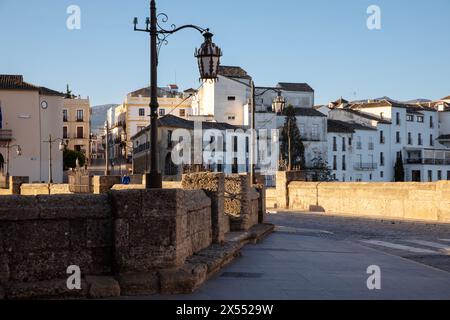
416	177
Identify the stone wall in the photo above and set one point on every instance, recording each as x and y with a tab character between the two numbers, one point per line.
409	200
241	202
283	180
102	184
114	238
41	236
271	197
158	229
213	184
36	189
13	185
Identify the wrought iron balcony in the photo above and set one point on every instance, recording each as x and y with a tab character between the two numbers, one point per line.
365	166
5	135
429	161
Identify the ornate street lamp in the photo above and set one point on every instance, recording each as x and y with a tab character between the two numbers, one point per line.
277	106
208	57
279	103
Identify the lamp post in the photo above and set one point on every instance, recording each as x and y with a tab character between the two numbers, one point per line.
208	57
107	149
62	146
277	106
8	148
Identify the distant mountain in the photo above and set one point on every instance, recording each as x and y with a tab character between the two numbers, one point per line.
98	116
420	100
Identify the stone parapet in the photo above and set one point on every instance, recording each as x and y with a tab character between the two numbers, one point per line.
403	200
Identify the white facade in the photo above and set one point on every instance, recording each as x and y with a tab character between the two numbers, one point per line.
409	130
30	114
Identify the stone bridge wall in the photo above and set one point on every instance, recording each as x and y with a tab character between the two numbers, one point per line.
111	237
408	200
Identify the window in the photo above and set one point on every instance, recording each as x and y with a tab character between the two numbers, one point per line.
231	118
162	112
65	133
80	132
419	139
334	144
231	98
219	167
370	177
431	140
141	112
397	118
65	116
397	137
235	168
448	175
334	162
382	139
381	159
439	175
409	138
169	139
350	141
344	148
420	119
235	144
344	164
182	113
381	174
358	143
371	145
410	118
315	132
431	122
302	130
80	115
430	175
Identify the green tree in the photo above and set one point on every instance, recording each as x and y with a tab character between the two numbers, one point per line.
321	170
399	170
70	157
292	148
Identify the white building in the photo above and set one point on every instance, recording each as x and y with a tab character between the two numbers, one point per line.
29	115
411	131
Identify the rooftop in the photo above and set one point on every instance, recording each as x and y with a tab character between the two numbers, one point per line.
289	86
366	115
15	82
176	122
308	112
233	72
346	127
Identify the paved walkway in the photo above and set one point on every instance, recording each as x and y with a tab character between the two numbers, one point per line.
295	263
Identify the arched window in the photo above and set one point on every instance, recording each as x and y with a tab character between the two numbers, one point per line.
170	169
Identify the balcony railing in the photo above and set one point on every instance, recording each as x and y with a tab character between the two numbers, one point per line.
365	166
429	161
5	135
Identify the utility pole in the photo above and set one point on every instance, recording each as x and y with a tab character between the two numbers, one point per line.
50	173
252	136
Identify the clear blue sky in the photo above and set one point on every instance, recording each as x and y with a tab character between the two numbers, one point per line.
323	42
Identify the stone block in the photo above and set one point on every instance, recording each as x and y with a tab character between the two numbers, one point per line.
102	287
99	233
56	288
139	284
78	234
15	208
74	206
121	233
184	280
4	268
161	202
102	260
127	203
29	236
47	265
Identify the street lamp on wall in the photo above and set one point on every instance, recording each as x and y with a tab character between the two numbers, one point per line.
208	58
279	103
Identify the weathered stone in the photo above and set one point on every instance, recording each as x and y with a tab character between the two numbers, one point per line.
4	268
184	280
36	235
15	208
47	265
126	204
99	233
102	260
74	206
45	290
2	293
121	233
78	234
102	287
139	284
